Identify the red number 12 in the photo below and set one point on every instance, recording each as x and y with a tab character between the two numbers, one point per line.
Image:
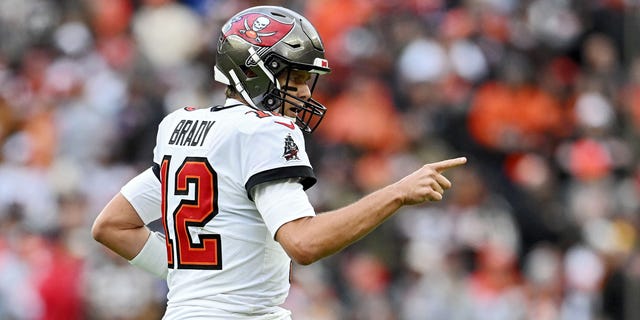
206	253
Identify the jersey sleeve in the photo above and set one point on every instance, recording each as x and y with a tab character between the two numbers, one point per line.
275	150
281	201
144	194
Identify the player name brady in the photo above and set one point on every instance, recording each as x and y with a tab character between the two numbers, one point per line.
190	133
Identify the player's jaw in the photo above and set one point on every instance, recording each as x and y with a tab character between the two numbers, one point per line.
293	100
291	108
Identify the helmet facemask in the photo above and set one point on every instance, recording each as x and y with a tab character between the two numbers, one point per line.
309	112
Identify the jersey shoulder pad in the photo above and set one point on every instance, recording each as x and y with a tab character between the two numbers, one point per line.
261	121
182	111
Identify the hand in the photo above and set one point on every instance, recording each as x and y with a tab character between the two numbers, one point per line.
427	183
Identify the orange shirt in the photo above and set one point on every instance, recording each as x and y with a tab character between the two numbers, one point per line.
502	117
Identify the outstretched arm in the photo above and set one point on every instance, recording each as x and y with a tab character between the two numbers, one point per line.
309	239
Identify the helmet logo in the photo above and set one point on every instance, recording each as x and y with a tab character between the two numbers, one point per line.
258	29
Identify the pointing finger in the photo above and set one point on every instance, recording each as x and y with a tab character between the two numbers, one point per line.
447	164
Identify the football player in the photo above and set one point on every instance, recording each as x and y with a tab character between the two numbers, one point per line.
229	181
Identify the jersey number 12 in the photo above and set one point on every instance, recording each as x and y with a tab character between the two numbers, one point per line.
195	176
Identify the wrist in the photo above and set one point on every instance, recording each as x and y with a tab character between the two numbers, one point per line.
153	256
395	194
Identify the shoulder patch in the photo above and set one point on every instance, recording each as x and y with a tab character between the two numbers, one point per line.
290	149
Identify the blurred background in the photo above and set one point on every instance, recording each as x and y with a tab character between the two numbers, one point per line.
542	96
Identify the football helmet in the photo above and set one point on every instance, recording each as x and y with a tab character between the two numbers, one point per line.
259	44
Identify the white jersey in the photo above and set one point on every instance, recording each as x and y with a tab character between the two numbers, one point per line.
222	256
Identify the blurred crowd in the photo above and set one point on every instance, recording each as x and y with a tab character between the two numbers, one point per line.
542	96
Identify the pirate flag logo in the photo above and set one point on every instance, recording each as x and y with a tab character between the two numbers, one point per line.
290	149
258	29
